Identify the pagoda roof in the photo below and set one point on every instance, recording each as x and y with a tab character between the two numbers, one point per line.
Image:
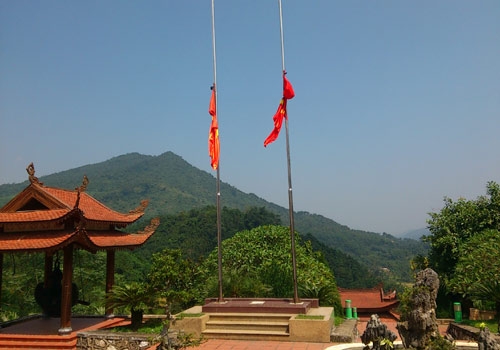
88	240
43	218
369	300
38	203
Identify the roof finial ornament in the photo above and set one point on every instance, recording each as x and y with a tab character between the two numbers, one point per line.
83	186
31	172
81	189
141	208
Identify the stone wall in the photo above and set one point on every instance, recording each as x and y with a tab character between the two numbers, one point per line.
463	332
101	340
476	314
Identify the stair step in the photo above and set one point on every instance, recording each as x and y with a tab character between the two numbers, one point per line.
263	326
249	318
249	322
33	344
244	332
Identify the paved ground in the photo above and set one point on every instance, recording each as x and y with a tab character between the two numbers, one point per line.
219	344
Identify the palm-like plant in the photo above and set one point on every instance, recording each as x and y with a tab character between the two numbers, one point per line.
489	290
134	296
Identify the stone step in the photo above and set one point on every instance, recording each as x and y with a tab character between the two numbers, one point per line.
230	317
27	343
245	334
248	325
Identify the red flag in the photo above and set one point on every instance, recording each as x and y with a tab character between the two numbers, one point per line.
281	113
213	134
288	92
278	121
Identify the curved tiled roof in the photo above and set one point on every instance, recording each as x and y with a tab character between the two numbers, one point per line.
91	208
33	215
121	239
60	202
368	300
33	241
27	222
89	240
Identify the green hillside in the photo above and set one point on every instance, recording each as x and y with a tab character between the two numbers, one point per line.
173	185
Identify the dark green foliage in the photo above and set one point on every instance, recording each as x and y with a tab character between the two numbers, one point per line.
135	297
183	197
456	223
378	252
465	246
174	279
349	273
172	185
195	231
21	274
264	254
440	343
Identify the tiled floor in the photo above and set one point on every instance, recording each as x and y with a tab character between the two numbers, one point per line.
219	344
45	326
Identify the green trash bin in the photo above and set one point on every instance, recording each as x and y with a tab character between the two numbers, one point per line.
355	313
348	309
457	308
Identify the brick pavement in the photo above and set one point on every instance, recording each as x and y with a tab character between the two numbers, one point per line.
220	344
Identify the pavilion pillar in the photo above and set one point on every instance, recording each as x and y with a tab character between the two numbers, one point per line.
1	277
66	291
110	278
49	262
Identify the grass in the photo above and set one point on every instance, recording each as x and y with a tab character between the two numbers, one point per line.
491	324
309	317
339	320
150	326
185	314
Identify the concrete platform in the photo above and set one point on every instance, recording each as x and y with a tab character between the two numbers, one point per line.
271	323
262	305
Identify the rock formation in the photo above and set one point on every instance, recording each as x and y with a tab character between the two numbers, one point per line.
418	326
377	333
485	341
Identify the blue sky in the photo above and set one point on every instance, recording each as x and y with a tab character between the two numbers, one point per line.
397	103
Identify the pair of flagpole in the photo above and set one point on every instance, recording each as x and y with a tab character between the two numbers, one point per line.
214	150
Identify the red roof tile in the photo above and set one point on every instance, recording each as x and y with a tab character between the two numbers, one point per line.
33	215
367	300
121	239
32	241
61	202
30	230
92	209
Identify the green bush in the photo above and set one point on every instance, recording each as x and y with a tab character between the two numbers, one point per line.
262	256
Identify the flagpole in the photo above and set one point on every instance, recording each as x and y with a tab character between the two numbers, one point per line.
290	192
219	235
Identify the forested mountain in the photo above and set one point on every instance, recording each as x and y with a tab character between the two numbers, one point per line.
172	185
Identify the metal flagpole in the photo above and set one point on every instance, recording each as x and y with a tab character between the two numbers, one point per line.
219	235
290	194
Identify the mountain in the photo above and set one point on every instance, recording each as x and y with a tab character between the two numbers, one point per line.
172	185
416	234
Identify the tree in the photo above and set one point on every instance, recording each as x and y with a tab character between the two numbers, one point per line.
175	279
263	254
456	223
477	272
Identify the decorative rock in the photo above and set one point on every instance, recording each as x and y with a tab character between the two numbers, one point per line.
376	332
485	341
419	325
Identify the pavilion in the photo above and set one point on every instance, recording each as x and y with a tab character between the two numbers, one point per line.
369	301
47	219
